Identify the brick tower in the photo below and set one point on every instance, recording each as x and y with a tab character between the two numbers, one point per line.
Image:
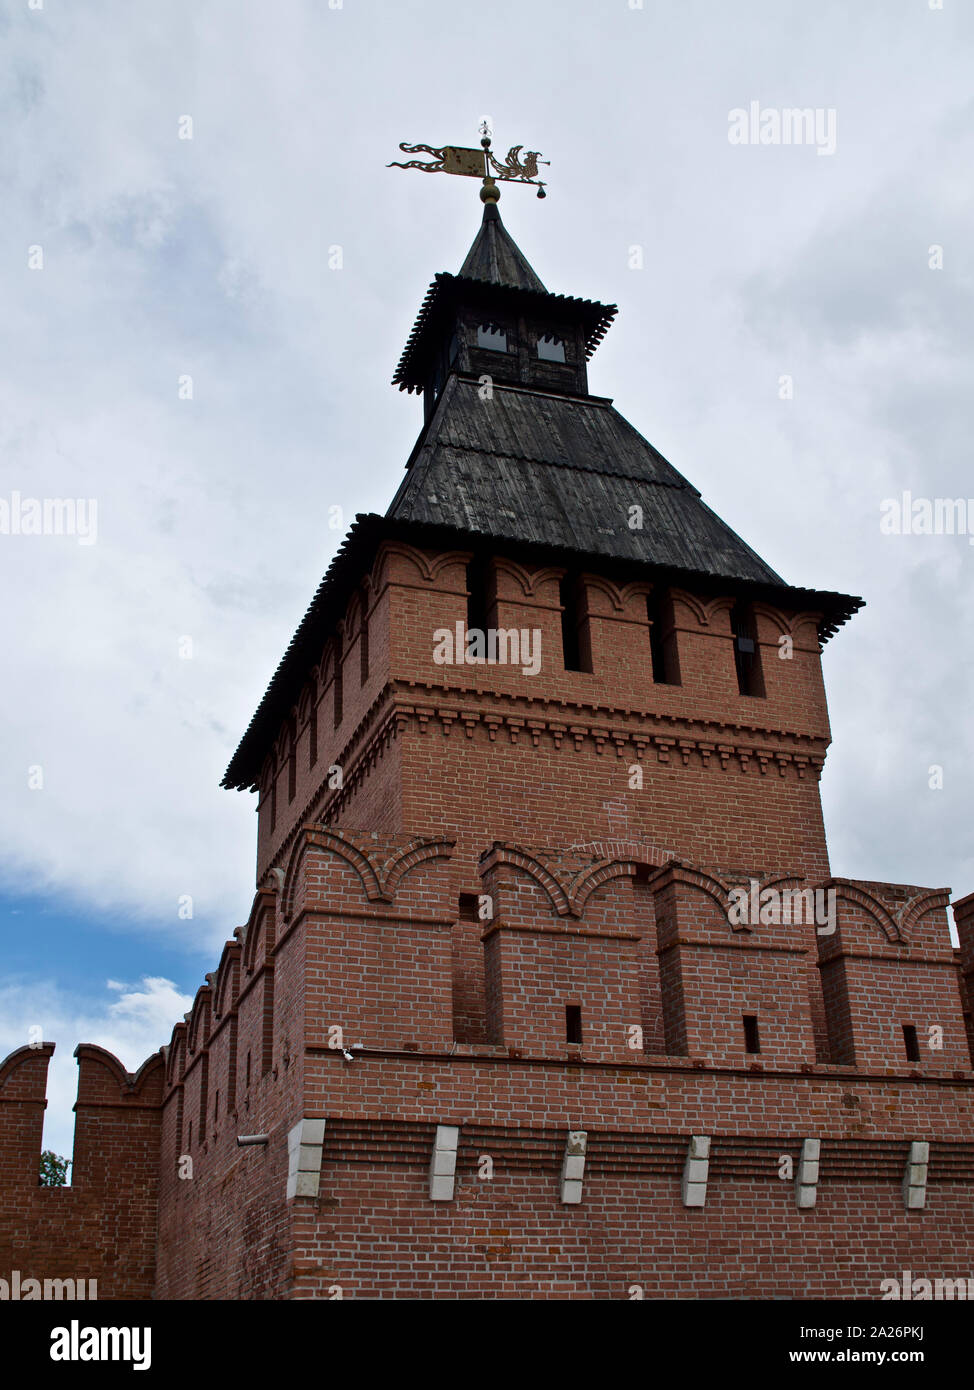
547	990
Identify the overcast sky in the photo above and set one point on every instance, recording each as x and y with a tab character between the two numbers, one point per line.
164	258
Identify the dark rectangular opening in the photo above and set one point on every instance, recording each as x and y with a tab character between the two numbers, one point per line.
338	693
573	1023
911	1043
747	654
575	652
662	640
752	1041
364	651
477	575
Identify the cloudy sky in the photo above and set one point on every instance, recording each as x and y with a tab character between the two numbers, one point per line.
138	266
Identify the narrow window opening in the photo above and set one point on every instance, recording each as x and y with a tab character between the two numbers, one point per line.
752	1041
747	655
247	1082
364	648
190	1144
338	683
274	803
313	732
569	626
662	641
551	349
573	1023
492	337
575	650
477	595
292	770
216	1106
911	1043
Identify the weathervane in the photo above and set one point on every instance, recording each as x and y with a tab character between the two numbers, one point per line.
478	164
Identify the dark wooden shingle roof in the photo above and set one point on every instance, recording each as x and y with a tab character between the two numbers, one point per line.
566	471
496	257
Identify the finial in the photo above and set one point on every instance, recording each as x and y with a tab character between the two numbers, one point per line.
482	164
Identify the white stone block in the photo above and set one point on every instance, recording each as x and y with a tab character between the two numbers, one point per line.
696	1170
443	1163
571	1191
694	1194
441	1189
447	1137
313	1132
573	1168
302	1185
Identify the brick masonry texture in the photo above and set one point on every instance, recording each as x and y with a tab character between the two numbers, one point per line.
459	868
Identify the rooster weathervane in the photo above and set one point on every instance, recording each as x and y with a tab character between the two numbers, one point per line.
482	164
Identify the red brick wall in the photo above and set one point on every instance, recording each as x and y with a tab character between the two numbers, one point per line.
103	1226
727	779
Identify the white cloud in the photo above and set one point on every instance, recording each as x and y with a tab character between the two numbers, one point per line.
133	1026
209	257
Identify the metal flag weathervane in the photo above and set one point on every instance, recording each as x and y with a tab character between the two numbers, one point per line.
482	164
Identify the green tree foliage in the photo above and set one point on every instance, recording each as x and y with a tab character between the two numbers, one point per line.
54	1169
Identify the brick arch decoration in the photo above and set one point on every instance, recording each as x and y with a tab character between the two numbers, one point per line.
267	773
558	891
227	986
706	883
528	579
175	1055
569	898
787	626
703	610
334	842
251	933
379	880
198	1019
618	595
20	1055
418	851
848	892
129	1083
428	566
354	614
592	878
326	663
919	905
303	707
605	586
